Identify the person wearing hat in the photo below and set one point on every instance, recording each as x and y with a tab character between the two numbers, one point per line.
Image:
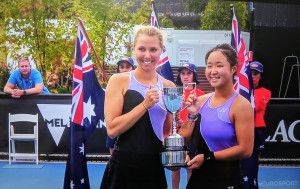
187	73
261	99
125	64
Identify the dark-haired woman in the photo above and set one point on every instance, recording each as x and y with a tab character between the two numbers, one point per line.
226	126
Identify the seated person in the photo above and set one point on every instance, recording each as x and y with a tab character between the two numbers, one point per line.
25	81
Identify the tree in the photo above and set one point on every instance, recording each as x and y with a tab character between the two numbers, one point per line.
143	12
47	29
217	15
197	6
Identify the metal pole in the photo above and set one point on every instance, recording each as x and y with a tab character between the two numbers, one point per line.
103	75
251	21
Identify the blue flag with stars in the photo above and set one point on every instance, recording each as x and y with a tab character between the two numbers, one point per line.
87	110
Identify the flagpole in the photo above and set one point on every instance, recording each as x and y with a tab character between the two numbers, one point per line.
103	75
231	8
232	13
251	9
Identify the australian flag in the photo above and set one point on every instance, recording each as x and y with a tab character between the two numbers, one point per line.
243	79
163	67
87	110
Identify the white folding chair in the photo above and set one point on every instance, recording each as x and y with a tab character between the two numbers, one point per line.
296	65
13	136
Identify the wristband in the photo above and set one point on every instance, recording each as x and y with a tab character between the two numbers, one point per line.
24	92
192	117
209	156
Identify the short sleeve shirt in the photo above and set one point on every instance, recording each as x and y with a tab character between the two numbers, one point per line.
34	78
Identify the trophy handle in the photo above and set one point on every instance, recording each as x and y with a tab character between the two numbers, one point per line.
160	94
188	86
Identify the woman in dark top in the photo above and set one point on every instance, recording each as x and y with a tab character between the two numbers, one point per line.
134	114
126	64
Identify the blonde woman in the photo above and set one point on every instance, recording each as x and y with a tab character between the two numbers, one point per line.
134	115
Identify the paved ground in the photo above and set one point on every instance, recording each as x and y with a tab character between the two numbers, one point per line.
51	176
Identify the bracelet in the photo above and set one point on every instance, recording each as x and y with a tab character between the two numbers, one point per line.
192	117
144	106
209	157
24	92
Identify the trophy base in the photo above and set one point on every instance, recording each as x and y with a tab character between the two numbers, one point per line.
174	160
175	167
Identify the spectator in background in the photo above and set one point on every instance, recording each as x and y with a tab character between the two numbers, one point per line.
187	73
25	81
53	83
261	98
126	64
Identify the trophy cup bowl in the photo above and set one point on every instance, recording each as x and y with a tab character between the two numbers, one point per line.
174	154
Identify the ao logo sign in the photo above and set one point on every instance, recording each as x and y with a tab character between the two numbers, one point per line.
57	118
286	134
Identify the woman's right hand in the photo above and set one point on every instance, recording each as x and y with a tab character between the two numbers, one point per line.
151	97
193	104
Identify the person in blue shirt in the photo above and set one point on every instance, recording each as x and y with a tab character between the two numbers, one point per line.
25	81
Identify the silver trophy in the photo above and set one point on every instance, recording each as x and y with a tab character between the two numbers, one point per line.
175	152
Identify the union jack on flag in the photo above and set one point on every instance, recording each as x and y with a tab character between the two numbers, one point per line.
87	110
243	79
163	67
